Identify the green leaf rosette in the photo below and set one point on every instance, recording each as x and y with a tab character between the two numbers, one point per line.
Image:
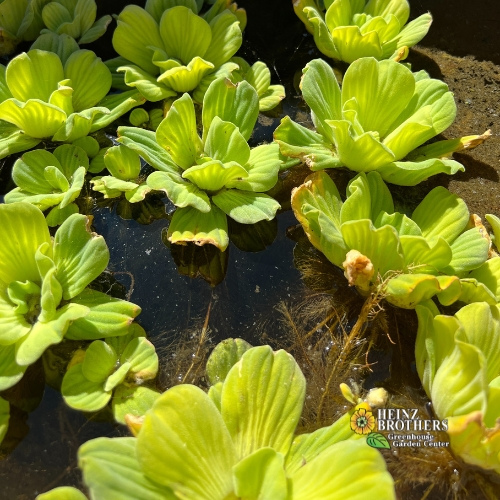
114	367
458	361
349	29
50	181
42	98
378	120
409	259
215	176
43	288
189	447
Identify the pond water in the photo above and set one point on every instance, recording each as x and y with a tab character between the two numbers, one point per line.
263	268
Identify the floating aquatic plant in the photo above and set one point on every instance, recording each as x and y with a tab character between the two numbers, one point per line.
76	18
349	29
164	60
408	259
124	165
50	180
23	20
378	120
458	361
214	176
236	442
43	288
42	98
114	367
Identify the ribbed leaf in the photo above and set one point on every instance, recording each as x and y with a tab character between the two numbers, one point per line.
226	38
191	225
99	362
214	175
262	400
80	255
225	354
225	143
23	230
184	444
186	78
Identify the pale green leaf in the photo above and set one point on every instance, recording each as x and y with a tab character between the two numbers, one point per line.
96	30
117	377
141	355
469	251
111	470
107	316
79	254
185	34
23	229
136	36
180	192
413	32
134	400
145	83
271	98
489	274
213	175
42	335
191	225
441	214
34	75
261	476
178	135
225	354
90	78
238	104
185	78
350	470
63	45
225	143
35	118
262	400
99	362
122	162
226	38
183	444
10	371
62	493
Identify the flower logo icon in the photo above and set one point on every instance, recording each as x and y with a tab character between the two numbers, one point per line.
362	421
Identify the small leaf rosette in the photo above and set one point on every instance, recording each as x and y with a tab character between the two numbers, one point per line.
378	120
171	50
237	442
76	18
117	367
43	288
349	29
458	361
124	165
215	176
50	181
42	98
436	251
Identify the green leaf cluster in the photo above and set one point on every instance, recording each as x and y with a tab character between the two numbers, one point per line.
236	442
349	29
213	176
114	367
458	361
76	18
169	47
410	259
24	20
378	120
124	165
42	98
50	180
43	288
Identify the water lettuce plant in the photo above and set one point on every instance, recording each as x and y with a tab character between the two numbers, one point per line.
76	18
163	60
238	441
213	176
50	180
378	120
42	98
410	259
114	367
124	165
458	361
349	29
23	20
44	295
